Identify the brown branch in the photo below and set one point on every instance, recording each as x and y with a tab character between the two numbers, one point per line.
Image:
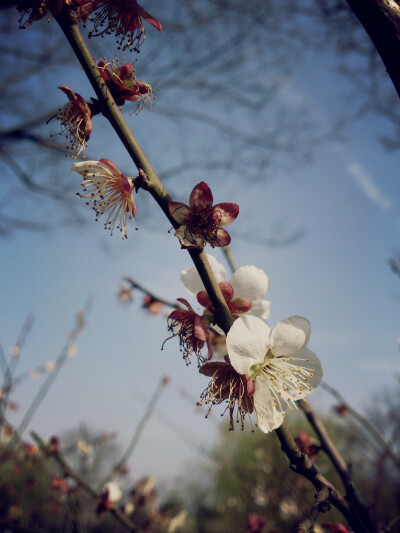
135	285
321	505
301	464
364	422
339	463
381	20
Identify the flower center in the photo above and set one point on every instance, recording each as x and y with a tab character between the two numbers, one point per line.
201	218
259	368
126	184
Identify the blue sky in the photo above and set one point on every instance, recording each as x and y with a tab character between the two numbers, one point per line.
346	205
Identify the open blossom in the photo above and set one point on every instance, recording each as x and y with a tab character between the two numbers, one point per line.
110	191
200	221
122	84
278	361
247	283
76	121
191	329
122	17
230	387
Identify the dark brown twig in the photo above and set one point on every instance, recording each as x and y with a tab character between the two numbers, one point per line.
321	505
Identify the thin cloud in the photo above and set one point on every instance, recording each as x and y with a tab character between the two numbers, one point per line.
368	187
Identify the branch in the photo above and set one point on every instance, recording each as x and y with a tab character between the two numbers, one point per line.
301	464
140	427
340	465
364	422
135	285
321	504
381	20
154	186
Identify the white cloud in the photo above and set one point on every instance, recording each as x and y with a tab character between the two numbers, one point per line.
368	187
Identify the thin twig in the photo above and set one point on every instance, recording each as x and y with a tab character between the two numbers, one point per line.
52	375
140	427
364	422
227	250
135	285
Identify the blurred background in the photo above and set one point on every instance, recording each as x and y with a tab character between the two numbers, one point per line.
283	107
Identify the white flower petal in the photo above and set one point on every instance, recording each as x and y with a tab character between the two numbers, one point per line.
269	414
290	335
309	363
114	492
191	279
250	282
247	342
92	168
292	378
260	308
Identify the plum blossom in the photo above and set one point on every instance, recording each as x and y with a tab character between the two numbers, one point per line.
227	386
200	221
122	84
278	361
122	17
76	121
110	191
247	283
191	329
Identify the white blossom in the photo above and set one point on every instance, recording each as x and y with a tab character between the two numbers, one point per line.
247	282
278	361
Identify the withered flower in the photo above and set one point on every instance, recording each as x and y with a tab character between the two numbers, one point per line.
76	121
228	386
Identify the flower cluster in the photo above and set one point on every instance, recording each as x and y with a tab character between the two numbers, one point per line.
110	192
193	329
200	221
122	84
265	370
122	17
